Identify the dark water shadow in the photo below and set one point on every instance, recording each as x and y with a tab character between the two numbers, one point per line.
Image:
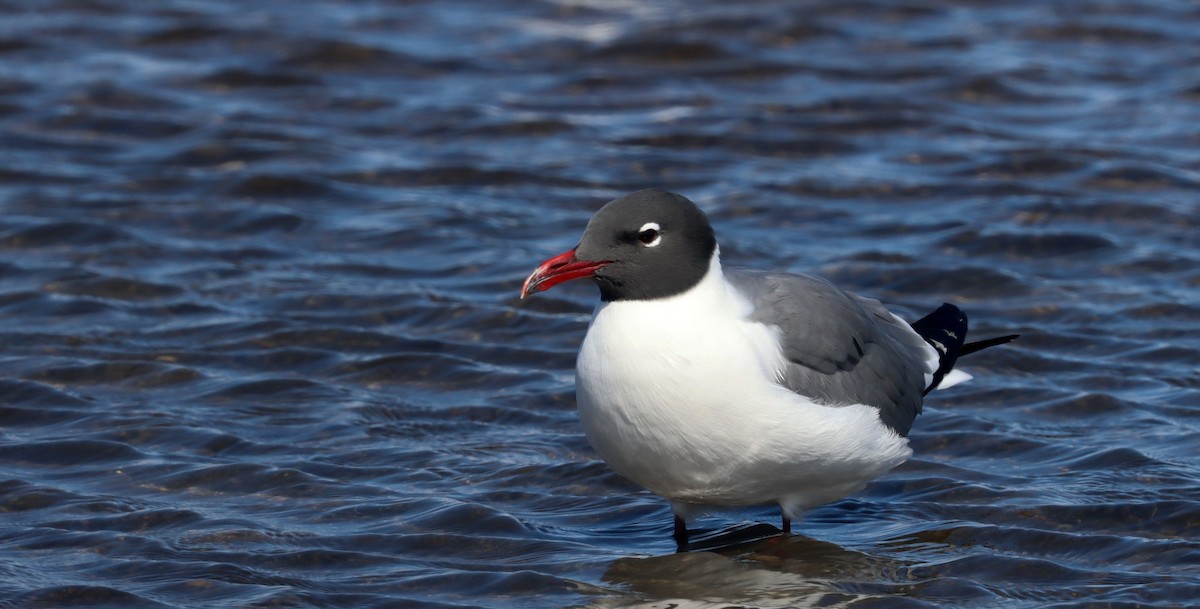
702	540
755	564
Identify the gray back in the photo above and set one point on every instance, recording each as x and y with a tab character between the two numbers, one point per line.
841	348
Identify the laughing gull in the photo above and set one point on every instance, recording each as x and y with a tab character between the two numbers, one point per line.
713	386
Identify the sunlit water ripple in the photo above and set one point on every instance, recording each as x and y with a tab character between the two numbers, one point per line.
260	344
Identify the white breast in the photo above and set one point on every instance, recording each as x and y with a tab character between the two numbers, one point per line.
679	396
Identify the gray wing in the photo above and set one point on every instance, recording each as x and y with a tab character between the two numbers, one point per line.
841	348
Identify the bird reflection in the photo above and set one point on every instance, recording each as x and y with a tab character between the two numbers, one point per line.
754	564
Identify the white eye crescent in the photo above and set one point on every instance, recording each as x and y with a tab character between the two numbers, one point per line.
649	234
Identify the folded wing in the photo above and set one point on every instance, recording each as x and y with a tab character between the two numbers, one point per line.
841	348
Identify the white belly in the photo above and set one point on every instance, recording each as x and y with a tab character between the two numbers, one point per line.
684	404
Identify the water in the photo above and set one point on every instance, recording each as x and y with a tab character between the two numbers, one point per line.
260	341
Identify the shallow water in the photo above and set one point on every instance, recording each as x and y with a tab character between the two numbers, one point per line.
260	343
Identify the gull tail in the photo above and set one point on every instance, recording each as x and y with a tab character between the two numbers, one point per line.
945	330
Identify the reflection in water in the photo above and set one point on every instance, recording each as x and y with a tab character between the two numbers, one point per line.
782	570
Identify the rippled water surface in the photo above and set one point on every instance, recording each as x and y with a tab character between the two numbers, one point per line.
260	344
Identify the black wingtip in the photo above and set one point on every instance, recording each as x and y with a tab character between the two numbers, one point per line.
944	329
980	345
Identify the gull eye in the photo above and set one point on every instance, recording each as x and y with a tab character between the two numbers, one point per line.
649	234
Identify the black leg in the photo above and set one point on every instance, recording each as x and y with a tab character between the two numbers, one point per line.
787	524
681	534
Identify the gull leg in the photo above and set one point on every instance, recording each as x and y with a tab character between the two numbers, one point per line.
681	534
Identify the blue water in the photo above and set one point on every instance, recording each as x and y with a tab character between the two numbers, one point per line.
261	346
